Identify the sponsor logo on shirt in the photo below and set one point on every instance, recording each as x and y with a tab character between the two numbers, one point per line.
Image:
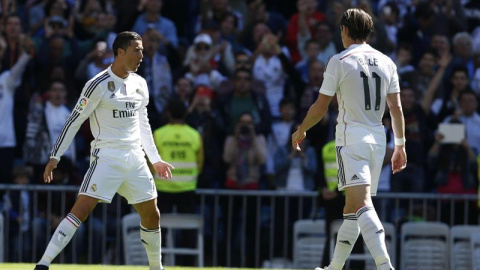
82	103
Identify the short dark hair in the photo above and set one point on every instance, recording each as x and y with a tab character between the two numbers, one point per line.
177	109
286	101
467	92
238	70
54	81
460	69
122	41
359	24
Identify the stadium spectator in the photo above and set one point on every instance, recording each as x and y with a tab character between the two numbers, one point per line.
243	99
308	16
258	12
467	114
242	61
18	209
95	61
181	146
208	122
311	51
151	18
446	105
244	153
45	123
10	79
158	74
215	10
280	136
322	34
199	62
463	52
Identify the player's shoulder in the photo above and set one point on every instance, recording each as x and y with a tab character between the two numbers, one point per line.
96	82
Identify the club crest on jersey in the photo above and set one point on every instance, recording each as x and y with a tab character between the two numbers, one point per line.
111	86
94	187
81	105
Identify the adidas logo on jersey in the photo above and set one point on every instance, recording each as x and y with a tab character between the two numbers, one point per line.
113	95
355	177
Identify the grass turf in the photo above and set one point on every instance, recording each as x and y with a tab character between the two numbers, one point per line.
30	266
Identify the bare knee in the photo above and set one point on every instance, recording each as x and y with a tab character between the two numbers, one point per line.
83	207
151	220
356	197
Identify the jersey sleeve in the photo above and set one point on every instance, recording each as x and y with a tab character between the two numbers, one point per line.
146	136
394	86
89	99
330	77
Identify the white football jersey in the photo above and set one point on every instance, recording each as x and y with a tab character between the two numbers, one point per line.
361	77
117	109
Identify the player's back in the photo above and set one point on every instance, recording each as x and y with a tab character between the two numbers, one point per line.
364	77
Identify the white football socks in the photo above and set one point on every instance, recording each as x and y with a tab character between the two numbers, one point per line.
346	238
152	241
374	236
64	232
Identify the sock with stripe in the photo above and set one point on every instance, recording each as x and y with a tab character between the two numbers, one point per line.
152	241
64	232
374	236
346	238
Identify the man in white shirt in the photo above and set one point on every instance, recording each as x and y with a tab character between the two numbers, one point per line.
9	81
363	78
115	102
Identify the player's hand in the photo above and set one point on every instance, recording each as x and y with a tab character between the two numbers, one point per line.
47	174
399	159
297	137
163	169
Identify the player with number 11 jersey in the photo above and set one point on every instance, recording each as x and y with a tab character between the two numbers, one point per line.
360	73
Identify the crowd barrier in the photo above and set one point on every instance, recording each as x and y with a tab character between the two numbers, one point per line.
241	228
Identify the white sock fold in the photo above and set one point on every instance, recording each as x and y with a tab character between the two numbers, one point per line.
374	236
346	238
152	241
62	236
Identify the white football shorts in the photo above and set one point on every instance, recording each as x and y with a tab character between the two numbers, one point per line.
119	171
360	164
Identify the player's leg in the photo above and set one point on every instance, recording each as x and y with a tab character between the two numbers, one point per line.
358	200
150	232
66	229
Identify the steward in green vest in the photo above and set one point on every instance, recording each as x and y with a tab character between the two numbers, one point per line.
181	146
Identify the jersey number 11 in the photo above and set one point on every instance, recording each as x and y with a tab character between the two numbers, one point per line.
366	90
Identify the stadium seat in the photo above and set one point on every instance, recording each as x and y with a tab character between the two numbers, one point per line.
308	243
475	247
425	246
460	236
390	242
132	246
172	222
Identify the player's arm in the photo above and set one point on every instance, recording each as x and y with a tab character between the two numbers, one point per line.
86	104
146	137
316	112
399	157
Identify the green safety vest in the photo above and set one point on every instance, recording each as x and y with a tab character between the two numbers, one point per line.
329	155
178	145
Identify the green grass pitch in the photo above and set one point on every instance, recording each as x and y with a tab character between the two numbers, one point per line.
30	266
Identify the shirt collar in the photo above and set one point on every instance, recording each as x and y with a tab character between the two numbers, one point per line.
114	76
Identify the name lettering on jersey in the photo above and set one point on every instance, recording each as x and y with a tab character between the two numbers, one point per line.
370	61
124	114
82	103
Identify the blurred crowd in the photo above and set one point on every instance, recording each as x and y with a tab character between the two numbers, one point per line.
246	73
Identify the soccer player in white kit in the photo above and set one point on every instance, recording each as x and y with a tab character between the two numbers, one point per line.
363	79
115	102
